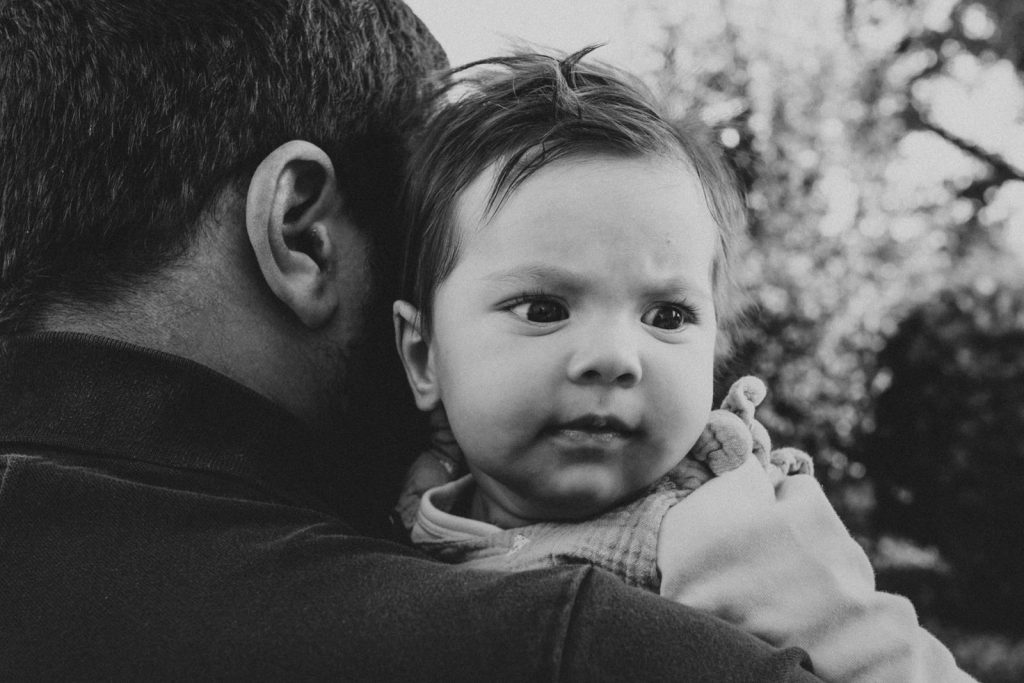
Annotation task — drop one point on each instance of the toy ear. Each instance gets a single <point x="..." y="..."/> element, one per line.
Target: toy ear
<point x="744" y="396"/>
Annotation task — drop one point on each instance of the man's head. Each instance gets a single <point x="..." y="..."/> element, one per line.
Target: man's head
<point x="523" y="113"/>
<point x="211" y="178"/>
<point x="215" y="178"/>
<point x="123" y="121"/>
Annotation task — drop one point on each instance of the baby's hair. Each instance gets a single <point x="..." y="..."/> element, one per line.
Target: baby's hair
<point x="524" y="112"/>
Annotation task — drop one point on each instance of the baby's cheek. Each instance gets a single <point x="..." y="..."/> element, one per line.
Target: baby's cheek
<point x="679" y="418"/>
<point x="486" y="426"/>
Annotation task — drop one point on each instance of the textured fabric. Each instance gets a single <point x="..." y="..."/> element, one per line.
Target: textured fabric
<point x="160" y="522"/>
<point x="781" y="565"/>
<point x="623" y="541"/>
<point x="779" y="562"/>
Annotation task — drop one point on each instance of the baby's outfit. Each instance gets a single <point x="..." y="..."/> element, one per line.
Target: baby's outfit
<point x="853" y="632"/>
<point x="623" y="540"/>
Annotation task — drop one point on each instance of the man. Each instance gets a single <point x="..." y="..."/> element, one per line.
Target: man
<point x="195" y="249"/>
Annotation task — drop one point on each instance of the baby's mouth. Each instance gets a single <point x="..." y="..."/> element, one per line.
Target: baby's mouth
<point x="590" y="428"/>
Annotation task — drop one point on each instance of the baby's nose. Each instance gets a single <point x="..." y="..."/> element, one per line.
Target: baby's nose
<point x="608" y="355"/>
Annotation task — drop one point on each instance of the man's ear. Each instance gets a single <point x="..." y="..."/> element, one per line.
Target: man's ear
<point x="293" y="212"/>
<point x="416" y="356"/>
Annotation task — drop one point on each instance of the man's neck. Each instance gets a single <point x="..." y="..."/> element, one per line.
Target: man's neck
<point x="190" y="315"/>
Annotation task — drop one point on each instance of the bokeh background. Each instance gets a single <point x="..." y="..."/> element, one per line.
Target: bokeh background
<point x="882" y="146"/>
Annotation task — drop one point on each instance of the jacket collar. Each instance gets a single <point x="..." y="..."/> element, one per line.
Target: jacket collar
<point x="88" y="394"/>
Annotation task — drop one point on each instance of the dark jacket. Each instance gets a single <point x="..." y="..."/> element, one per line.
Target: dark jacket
<point x="159" y="521"/>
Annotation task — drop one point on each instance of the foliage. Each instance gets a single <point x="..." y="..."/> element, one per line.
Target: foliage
<point x="947" y="448"/>
<point x="989" y="657"/>
<point x="881" y="145"/>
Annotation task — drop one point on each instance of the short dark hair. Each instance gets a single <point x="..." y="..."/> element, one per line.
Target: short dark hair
<point x="524" y="112"/>
<point x="122" y="120"/>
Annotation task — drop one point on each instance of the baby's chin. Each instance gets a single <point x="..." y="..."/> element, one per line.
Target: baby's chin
<point x="573" y="506"/>
<point x="576" y="503"/>
<point x="567" y="496"/>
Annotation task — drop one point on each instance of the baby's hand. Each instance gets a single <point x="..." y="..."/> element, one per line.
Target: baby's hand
<point x="439" y="464"/>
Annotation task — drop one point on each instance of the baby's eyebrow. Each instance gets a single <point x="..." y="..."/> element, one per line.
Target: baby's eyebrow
<point x="679" y="288"/>
<point x="535" y="274"/>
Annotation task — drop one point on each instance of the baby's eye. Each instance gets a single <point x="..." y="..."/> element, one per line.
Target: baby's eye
<point x="668" y="316"/>
<point x="537" y="310"/>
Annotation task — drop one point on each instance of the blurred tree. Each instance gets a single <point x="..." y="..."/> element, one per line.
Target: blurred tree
<point x="947" y="450"/>
<point x="866" y="194"/>
<point x="978" y="48"/>
<point x="832" y="250"/>
<point x="882" y="147"/>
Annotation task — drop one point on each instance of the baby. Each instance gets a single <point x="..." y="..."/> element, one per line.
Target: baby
<point x="568" y="271"/>
<point x="567" y="278"/>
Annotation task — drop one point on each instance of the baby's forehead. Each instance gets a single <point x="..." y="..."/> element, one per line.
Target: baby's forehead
<point x="488" y="192"/>
<point x="593" y="211"/>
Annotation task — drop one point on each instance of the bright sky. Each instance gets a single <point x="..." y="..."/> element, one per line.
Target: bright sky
<point x="472" y="29"/>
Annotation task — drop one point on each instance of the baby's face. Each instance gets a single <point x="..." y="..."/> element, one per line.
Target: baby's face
<point x="573" y="342"/>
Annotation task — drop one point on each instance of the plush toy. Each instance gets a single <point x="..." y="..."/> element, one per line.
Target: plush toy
<point x="730" y="435"/>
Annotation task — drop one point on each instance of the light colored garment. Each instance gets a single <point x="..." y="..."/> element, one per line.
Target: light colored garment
<point x="624" y="541"/>
<point x="776" y="561"/>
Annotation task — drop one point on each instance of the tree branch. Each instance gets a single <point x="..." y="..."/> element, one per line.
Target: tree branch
<point x="1004" y="170"/>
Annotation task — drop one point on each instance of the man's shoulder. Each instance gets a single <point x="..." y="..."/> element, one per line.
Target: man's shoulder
<point x="168" y="571"/>
<point x="110" y="575"/>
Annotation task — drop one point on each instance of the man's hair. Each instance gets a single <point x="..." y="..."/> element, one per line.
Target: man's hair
<point x="524" y="112"/>
<point x="121" y="121"/>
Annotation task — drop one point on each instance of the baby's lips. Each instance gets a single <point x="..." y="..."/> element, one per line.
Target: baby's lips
<point x="596" y="422"/>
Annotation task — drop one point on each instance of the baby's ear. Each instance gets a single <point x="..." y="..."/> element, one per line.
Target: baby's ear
<point x="416" y="356"/>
